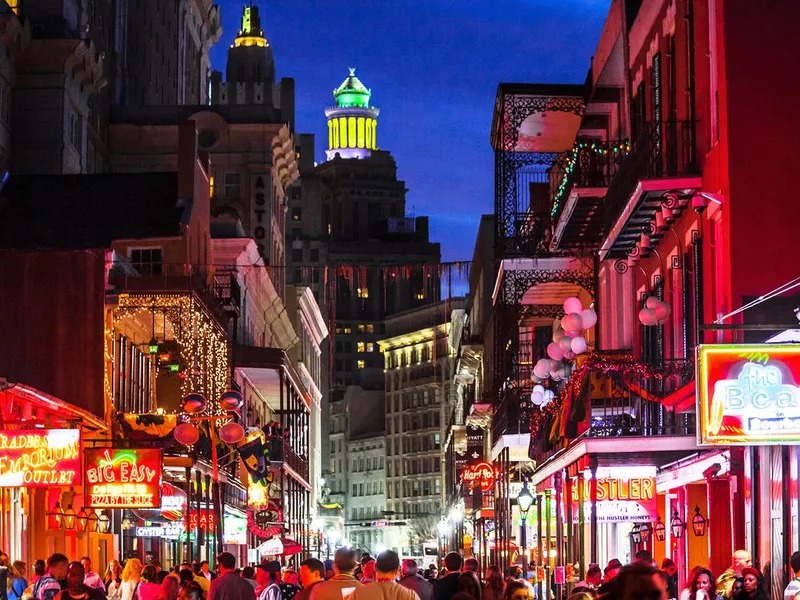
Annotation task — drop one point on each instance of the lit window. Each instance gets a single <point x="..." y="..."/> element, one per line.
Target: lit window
<point x="297" y="213"/>
<point x="360" y="364"/>
<point x="348" y="330"/>
<point x="211" y="186"/>
<point x="420" y="296"/>
<point x="147" y="261"/>
<point x="370" y="347"/>
<point x="363" y="292"/>
<point x="361" y="346"/>
<point x="370" y="328"/>
<point x="361" y="328"/>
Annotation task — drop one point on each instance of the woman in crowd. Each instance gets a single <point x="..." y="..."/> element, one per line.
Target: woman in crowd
<point x="468" y="582"/>
<point x="752" y="588"/>
<point x="149" y="588"/>
<point x="170" y="588"/>
<point x="700" y="585"/>
<point x="131" y="576"/>
<point x="518" y="589"/>
<point x="190" y="590"/>
<point x="494" y="584"/>
<point x="113" y="580"/>
<point x="16" y="580"/>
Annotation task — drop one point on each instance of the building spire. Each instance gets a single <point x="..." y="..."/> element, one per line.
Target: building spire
<point x="251" y="33"/>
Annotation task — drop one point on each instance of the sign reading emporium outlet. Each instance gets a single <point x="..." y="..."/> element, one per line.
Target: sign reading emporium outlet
<point x="748" y="394"/>
<point x="117" y="478"/>
<point x="41" y="458"/>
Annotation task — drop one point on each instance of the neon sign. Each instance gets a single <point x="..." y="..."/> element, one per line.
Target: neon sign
<point x="40" y="458"/>
<point x="123" y="478"/>
<point x="482" y="474"/>
<point x="623" y="494"/>
<point x="747" y="394"/>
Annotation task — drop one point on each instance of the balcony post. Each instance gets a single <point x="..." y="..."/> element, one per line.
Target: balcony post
<point x="593" y="517"/>
<point x="697" y="259"/>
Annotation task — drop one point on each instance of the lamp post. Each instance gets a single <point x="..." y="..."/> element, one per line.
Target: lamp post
<point x="524" y="500"/>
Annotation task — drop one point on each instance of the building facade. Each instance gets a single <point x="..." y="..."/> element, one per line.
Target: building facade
<point x="366" y="499"/>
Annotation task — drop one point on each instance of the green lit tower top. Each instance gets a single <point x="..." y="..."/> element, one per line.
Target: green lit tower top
<point x="352" y="123"/>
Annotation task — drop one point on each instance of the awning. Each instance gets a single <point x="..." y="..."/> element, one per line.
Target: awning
<point x="280" y="547"/>
<point x="23" y="407"/>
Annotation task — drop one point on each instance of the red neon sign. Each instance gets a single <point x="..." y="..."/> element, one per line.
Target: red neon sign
<point x="117" y="478"/>
<point x="482" y="474"/>
<point x="202" y="520"/>
<point x="40" y="458"/>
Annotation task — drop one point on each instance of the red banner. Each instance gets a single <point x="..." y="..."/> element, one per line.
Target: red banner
<point x="42" y="458"/>
<point x="117" y="478"/>
<point x="748" y="394"/>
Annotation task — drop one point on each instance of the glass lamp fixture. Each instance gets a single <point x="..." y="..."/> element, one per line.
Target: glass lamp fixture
<point x="68" y="521"/>
<point x="103" y="523"/>
<point x="152" y="345"/>
<point x="644" y="531"/>
<point x="92" y="522"/>
<point x="677" y="525"/>
<point x="524" y="499"/>
<point x="636" y="535"/>
<point x="81" y="520"/>
<point x="660" y="530"/>
<point x="55" y="517"/>
<point x="698" y="523"/>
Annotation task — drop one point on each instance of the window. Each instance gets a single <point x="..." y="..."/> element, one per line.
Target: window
<point x="355" y="489"/>
<point x="355" y="465"/>
<point x="297" y="213"/>
<point x="76" y="131"/>
<point x="147" y="261"/>
<point x="363" y="293"/>
<point x="233" y="185"/>
<point x="297" y="255"/>
<point x="360" y="364"/>
<point x="361" y="347"/>
<point x="381" y="462"/>
<point x="370" y="347"/>
<point x="380" y="487"/>
<point x="360" y="489"/>
<point x="296" y="233"/>
<point x="314" y="255"/>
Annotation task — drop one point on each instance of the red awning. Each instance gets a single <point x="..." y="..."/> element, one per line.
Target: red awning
<point x="23" y="407"/>
<point x="682" y="399"/>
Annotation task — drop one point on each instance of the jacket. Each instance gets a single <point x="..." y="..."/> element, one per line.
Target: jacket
<point x="446" y="587"/>
<point x="384" y="590"/>
<point x="336" y="588"/>
<point x="420" y="586"/>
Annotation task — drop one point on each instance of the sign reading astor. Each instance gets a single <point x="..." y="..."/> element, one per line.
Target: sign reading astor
<point x="117" y="478"/>
<point x="748" y="394"/>
<point x="40" y="458"/>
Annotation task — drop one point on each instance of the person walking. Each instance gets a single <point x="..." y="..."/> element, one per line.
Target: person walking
<point x="312" y="573"/>
<point x="289" y="585"/>
<point x="48" y="585"/>
<point x="76" y="588"/>
<point x="411" y="579"/>
<point x="205" y="571"/>
<point x="268" y="576"/>
<point x="93" y="580"/>
<point x="113" y="580"/>
<point x="446" y="587"/>
<point x="385" y="587"/>
<point x="468" y="583"/>
<point x="594" y="577"/>
<point x="343" y="582"/>
<point x="753" y="588"/>
<point x="17" y="584"/>
<point x="700" y="585"/>
<point x="792" y="590"/>
<point x="149" y="587"/>
<point x="229" y="586"/>
<point x="493" y="590"/>
<point x="131" y="576"/>
<point x="170" y="587"/>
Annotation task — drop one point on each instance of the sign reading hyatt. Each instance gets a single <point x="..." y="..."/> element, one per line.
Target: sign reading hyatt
<point x="748" y="394"/>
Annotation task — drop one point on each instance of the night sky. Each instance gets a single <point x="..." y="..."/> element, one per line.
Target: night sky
<point x="433" y="67"/>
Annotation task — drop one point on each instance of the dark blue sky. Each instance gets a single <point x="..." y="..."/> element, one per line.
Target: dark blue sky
<point x="433" y="67"/>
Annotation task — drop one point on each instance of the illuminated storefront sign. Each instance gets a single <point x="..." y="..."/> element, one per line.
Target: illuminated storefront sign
<point x="41" y="458"/>
<point x="623" y="494"/>
<point x="748" y="394"/>
<point x="234" y="529"/>
<point x="203" y="519"/>
<point x="168" y="532"/>
<point x="117" y="478"/>
<point x="482" y="474"/>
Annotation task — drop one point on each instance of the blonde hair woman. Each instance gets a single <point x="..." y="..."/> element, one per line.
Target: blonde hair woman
<point x="131" y="575"/>
<point x="113" y="580"/>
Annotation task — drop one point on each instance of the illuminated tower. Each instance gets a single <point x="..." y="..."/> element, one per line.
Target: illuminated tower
<point x="352" y="123"/>
<point x="250" y="58"/>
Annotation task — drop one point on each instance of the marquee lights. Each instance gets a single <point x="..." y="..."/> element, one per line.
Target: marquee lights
<point x="123" y="478"/>
<point x="40" y="458"/>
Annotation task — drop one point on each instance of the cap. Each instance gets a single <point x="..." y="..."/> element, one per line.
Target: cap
<point x="751" y="571"/>
<point x="612" y="564"/>
<point x="272" y="566"/>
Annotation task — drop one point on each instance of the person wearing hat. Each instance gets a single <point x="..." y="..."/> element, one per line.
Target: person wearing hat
<point x="753" y="590"/>
<point x="387" y="568"/>
<point x="229" y="586"/>
<point x="612" y="569"/>
<point x="343" y="583"/>
<point x="739" y="560"/>
<point x="268" y="578"/>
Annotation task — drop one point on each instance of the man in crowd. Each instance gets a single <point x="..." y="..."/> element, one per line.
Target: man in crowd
<point x="446" y="587"/>
<point x="76" y="588"/>
<point x="249" y="575"/>
<point x="229" y="586"/>
<point x="92" y="579"/>
<point x="385" y="587"/>
<point x="48" y="584"/>
<point x="343" y="583"/>
<point x="740" y="560"/>
<point x="290" y="585"/>
<point x="612" y="569"/>
<point x="268" y="578"/>
<point x="206" y="572"/>
<point x="471" y="564"/>
<point x="792" y="590"/>
<point x="312" y="573"/>
<point x="410" y="579"/>
<point x="204" y="583"/>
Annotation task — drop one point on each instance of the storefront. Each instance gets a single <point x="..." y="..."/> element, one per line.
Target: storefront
<point x="43" y="504"/>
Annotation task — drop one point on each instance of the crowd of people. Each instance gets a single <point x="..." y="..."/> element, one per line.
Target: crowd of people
<point x="385" y="577"/>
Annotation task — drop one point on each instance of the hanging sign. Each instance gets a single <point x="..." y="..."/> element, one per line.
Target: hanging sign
<point x="259" y="524"/>
<point x="117" y="478"/>
<point x="624" y="494"/>
<point x="482" y="474"/>
<point x="748" y="394"/>
<point x="40" y="458"/>
<point x="168" y="532"/>
<point x="202" y="520"/>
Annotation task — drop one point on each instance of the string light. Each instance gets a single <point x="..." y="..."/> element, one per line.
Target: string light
<point x="599" y="148"/>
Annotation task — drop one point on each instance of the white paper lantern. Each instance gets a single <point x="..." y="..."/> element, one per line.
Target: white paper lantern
<point x="578" y="345"/>
<point x="589" y="317"/>
<point x="651" y="302"/>
<point x="647" y="316"/>
<point x="554" y="351"/>
<point x="572" y="305"/>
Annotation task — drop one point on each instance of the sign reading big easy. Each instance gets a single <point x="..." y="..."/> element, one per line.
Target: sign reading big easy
<point x="40" y="458"/>
<point x="748" y="394"/>
<point x="117" y="478"/>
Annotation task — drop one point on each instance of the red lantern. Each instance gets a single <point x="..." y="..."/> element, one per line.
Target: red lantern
<point x="55" y="516"/>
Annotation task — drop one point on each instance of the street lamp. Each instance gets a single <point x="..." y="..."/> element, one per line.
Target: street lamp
<point x="698" y="523"/>
<point x="677" y="525"/>
<point x="524" y="501"/>
<point x="636" y="534"/>
<point x="659" y="529"/>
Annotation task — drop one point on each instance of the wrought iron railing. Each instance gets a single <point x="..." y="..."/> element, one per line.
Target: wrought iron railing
<point x="590" y="164"/>
<point x="281" y="451"/>
<point x="661" y="150"/>
<point x="531" y="235"/>
<point x="629" y="403"/>
<point x="511" y="415"/>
